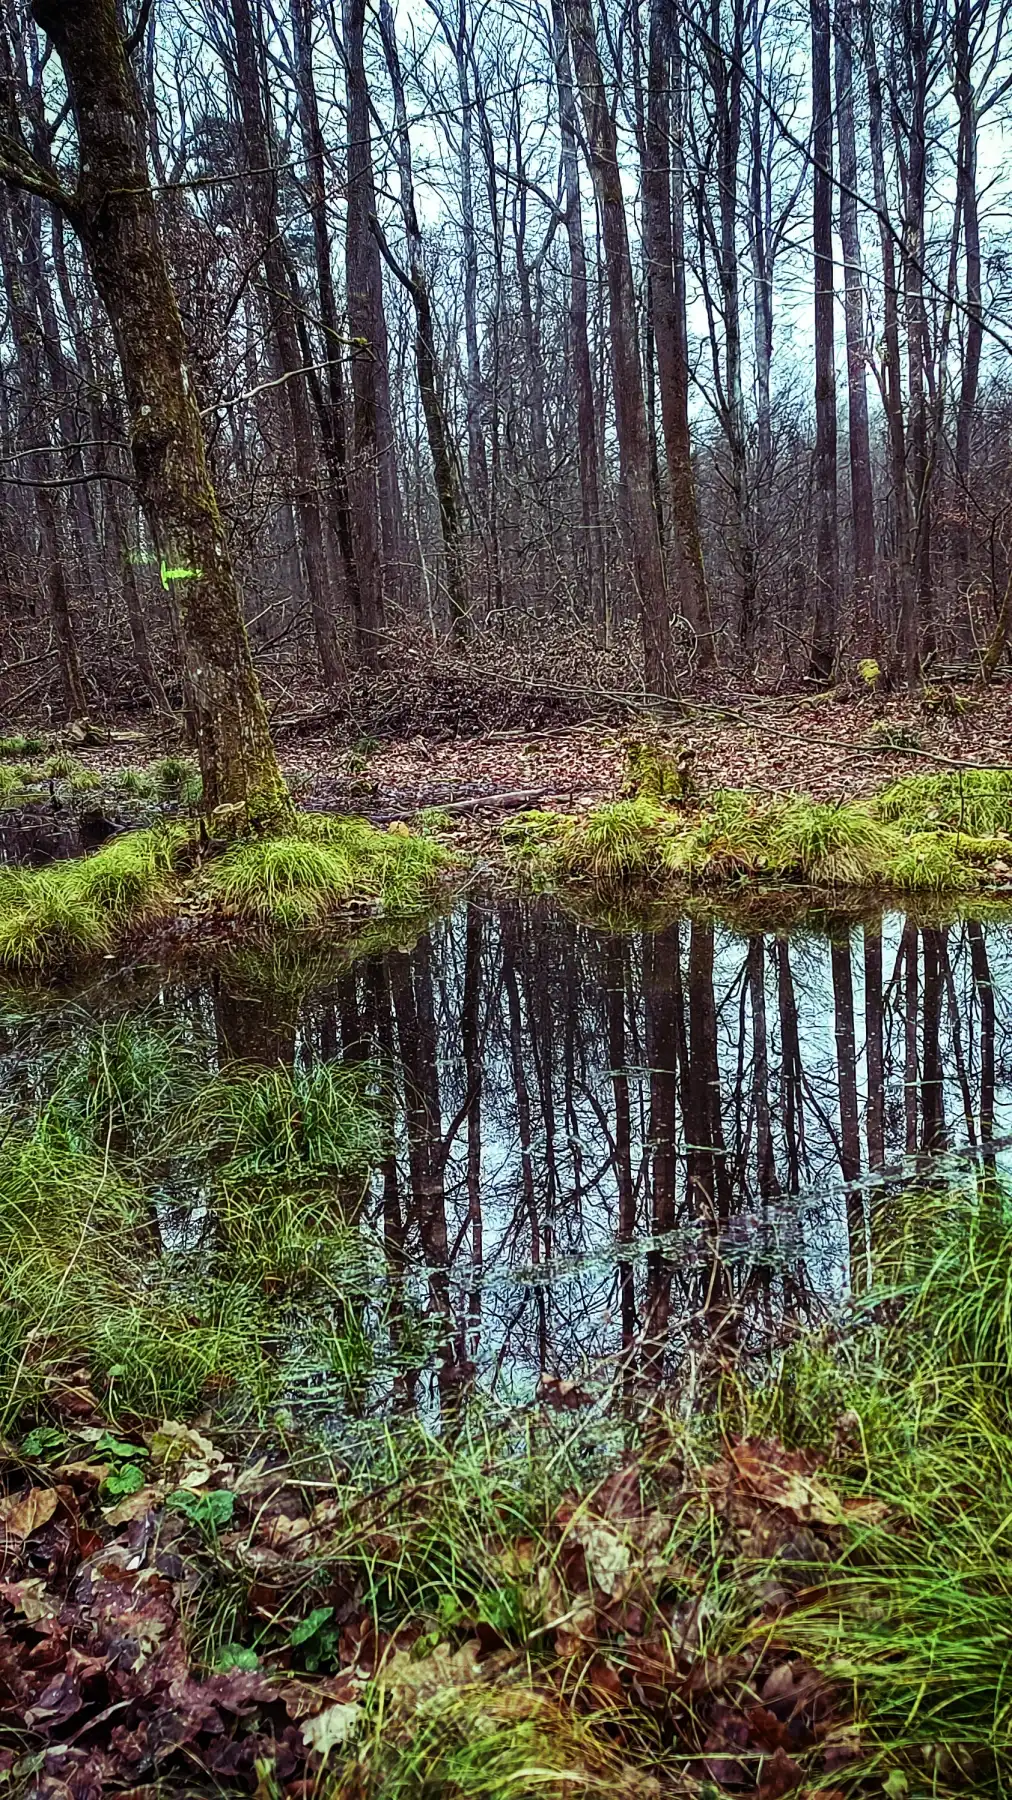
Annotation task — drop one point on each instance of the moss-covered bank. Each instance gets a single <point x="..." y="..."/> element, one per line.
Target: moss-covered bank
<point x="57" y="916"/>
<point x="939" y="834"/>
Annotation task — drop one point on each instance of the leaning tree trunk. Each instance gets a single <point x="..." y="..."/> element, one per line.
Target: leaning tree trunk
<point x="113" y="212"/>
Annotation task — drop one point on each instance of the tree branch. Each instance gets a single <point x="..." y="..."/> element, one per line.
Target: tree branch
<point x="19" y="169"/>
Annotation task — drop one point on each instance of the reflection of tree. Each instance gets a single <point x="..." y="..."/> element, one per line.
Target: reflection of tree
<point x="560" y="1097"/>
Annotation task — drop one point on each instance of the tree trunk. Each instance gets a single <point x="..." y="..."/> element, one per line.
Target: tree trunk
<point x="672" y="370"/>
<point x="444" y="463"/>
<point x="861" y="499"/>
<point x="627" y="374"/>
<point x="967" y="203"/>
<point x="367" y="330"/>
<point x="263" y="193"/>
<point x="579" y="340"/>
<point x="824" y="461"/>
<point x="891" y="383"/>
<point x="113" y="212"/>
<point x="332" y="396"/>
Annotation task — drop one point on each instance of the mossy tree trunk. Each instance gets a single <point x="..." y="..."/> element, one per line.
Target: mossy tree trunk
<point x="113" y="212"/>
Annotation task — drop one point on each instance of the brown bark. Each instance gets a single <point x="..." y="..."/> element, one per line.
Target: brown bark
<point x="579" y="339"/>
<point x="917" y="625"/>
<point x="669" y="327"/>
<point x="262" y="187"/>
<point x="113" y="212"/>
<point x="891" y="380"/>
<point x="331" y="392"/>
<point x="368" y="333"/>
<point x="861" y="498"/>
<point x="824" y="460"/>
<point x="967" y="204"/>
<point x="415" y="279"/>
<point x="640" y="519"/>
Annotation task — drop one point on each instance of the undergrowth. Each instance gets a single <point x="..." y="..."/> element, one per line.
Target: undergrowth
<point x="55" y="916"/>
<point x="924" y="834"/>
<point x="529" y="1603"/>
<point x="162" y="1306"/>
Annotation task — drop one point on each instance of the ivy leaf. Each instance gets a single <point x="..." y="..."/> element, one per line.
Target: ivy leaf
<point x="109" y="1445"/>
<point x="44" y="1442"/>
<point x="127" y="1479"/>
<point x="310" y="1625"/>
<point x="236" y="1656"/>
<point x="212" y="1511"/>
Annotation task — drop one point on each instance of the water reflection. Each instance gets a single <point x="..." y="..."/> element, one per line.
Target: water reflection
<point x="623" y="1160"/>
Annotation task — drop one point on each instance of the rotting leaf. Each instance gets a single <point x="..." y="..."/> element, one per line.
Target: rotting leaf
<point x="335" y="1725"/>
<point x="21" y="1514"/>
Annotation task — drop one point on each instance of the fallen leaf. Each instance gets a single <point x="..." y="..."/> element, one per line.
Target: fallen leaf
<point x="331" y="1727"/>
<point x="21" y="1514"/>
<point x="30" y="1598"/>
<point x="778" y="1478"/>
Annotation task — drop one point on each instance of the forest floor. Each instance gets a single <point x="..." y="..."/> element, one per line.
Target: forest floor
<point x="825" y="746"/>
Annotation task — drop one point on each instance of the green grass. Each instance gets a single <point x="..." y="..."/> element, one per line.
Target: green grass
<point x="290" y="1125"/>
<point x="897" y="841"/>
<point x="975" y="801"/>
<point x="70" y="910"/>
<point x="917" y="1617"/>
<point x="19" y="745"/>
<point x="264" y="1267"/>
<point x="60" y="766"/>
<point x="300" y="882"/>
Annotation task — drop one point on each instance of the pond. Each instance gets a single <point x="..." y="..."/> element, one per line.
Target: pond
<point x="614" y="1162"/>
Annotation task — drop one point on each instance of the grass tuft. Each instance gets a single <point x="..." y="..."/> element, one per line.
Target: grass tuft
<point x="290" y="1126"/>
<point x="68" y="910"/>
<point x="19" y="745"/>
<point x="975" y="801"/>
<point x="294" y="882"/>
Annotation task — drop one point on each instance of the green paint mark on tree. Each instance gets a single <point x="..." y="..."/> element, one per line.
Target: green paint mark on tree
<point x="168" y="575"/>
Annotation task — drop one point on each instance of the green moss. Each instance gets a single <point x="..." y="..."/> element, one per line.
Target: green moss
<point x="904" y="840"/>
<point x="653" y="773"/>
<point x="977" y="801"/>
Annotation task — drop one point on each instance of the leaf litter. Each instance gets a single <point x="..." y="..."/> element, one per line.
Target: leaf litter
<point x="620" y="1632"/>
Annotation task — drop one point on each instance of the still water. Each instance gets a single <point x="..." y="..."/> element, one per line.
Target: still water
<point x="615" y="1158"/>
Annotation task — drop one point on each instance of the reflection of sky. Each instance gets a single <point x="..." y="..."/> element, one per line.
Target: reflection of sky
<point x="561" y="976"/>
<point x="785" y="1258"/>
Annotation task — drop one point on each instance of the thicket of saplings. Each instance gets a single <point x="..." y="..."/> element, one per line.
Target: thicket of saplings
<point x="190" y="1240"/>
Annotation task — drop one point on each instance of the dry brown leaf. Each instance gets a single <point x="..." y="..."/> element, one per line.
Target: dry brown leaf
<point x="31" y="1599"/>
<point x="21" y="1514"/>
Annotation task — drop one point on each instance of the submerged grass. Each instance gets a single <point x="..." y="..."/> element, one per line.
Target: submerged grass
<point x="931" y="834"/>
<point x="166" y="1247"/>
